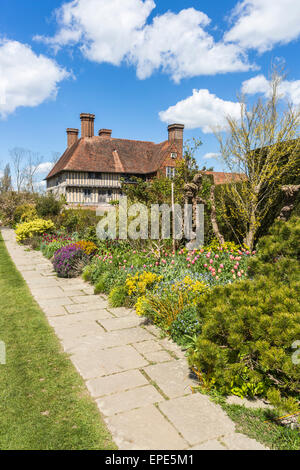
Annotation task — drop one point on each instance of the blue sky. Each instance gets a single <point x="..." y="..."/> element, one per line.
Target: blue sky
<point x="137" y="65"/>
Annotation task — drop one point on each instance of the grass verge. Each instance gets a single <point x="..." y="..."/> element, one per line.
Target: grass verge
<point x="44" y="403"/>
<point x="259" y="425"/>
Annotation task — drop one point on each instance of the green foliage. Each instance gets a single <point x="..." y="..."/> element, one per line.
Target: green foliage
<point x="49" y="249"/>
<point x="117" y="296"/>
<point x="48" y="205"/>
<point x="77" y="220"/>
<point x="185" y="326"/>
<point x="253" y="324"/>
<point x="283" y="406"/>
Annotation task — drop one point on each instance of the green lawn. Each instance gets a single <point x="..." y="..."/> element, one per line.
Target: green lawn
<point x="43" y="401"/>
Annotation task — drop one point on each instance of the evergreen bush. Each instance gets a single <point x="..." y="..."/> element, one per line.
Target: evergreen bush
<point x="248" y="328"/>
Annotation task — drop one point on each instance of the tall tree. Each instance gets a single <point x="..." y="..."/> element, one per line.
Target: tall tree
<point x="25" y="165"/>
<point x="5" y="182"/>
<point x="264" y="147"/>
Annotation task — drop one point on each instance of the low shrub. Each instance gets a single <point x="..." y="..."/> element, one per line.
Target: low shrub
<point x="88" y="247"/>
<point x="69" y="261"/>
<point x="249" y="327"/>
<point x="48" y="205"/>
<point x="186" y="326"/>
<point x="35" y="227"/>
<point x="77" y="220"/>
<point x="25" y="213"/>
<point x="117" y="296"/>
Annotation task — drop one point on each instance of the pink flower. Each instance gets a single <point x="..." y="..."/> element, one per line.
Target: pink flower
<point x="211" y="261"/>
<point x="232" y="270"/>
<point x="131" y="267"/>
<point x="172" y="262"/>
<point x="156" y="264"/>
<point x="213" y="273"/>
<point x="205" y="265"/>
<point x="239" y="274"/>
<point x="219" y="270"/>
<point x="216" y="256"/>
<point x="217" y="277"/>
<point x="221" y="266"/>
<point x="188" y="265"/>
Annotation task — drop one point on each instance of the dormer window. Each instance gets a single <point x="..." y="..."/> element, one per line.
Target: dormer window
<point x="174" y="155"/>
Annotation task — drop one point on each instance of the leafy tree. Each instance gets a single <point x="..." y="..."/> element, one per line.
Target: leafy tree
<point x="264" y="147"/>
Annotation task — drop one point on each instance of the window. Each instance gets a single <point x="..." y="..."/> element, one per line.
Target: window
<point x="87" y="192"/>
<point x="91" y="176"/>
<point x="174" y="155"/>
<point x="170" y="172"/>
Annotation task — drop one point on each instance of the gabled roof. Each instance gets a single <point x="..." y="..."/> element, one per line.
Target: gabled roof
<point x="98" y="154"/>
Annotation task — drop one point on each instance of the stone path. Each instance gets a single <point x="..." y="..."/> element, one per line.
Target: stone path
<point x="140" y="382"/>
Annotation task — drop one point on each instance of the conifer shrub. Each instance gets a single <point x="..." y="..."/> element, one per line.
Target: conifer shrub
<point x="249" y="327"/>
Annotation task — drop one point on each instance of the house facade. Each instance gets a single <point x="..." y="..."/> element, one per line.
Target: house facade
<point x="90" y="170"/>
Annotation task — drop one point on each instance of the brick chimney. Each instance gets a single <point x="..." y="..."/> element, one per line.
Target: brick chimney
<point x="72" y="136"/>
<point x="105" y="133"/>
<point x="175" y="132"/>
<point x="87" y="124"/>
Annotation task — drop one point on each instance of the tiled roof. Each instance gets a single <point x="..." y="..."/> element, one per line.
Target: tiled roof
<point x="98" y="154"/>
<point x="222" y="178"/>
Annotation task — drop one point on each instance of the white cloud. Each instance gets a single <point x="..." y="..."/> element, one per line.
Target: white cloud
<point x="260" y="24"/>
<point x="26" y="79"/>
<point x="287" y="89"/>
<point x="118" y="31"/>
<point x="44" y="167"/>
<point x="211" y="155"/>
<point x="204" y="110"/>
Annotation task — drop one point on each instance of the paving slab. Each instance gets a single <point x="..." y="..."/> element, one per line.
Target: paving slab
<point x="129" y="400"/>
<point x="237" y="441"/>
<point x="108" y="361"/>
<point x="172" y="377"/>
<point x="209" y="445"/>
<point x="144" y="429"/>
<point x="45" y="293"/>
<point x="148" y="346"/>
<point x="122" y="312"/>
<point x="98" y="342"/>
<point x="121" y="323"/>
<point x="158" y="356"/>
<point x="234" y="400"/>
<point x="197" y="418"/>
<point x="116" y="383"/>
<point x="84" y="307"/>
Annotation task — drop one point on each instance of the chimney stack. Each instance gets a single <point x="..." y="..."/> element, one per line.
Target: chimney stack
<point x="72" y="136"/>
<point x="175" y="132"/>
<point x="175" y="136"/>
<point x="87" y="124"/>
<point x="105" y="133"/>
